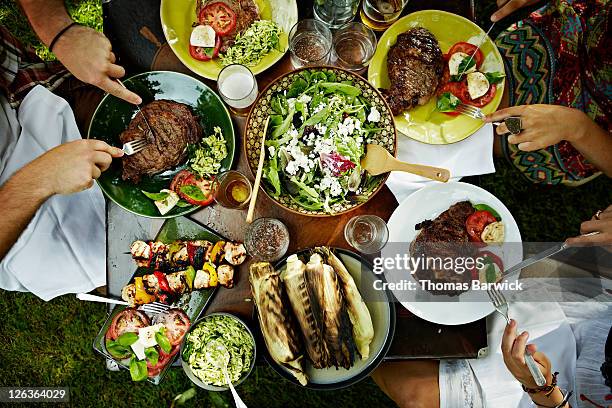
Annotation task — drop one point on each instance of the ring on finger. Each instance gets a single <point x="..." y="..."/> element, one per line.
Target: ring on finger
<point x="598" y="214"/>
<point x="514" y="124"/>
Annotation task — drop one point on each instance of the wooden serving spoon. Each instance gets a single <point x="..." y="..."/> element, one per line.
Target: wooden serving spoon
<point x="378" y="160"/>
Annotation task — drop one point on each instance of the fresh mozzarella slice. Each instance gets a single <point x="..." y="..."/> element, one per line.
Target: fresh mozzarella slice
<point x="168" y="203"/>
<point x="455" y="60"/>
<point x="202" y="36"/>
<point x="139" y="350"/>
<point x="493" y="233"/>
<point x="146" y="335"/>
<point x="478" y="84"/>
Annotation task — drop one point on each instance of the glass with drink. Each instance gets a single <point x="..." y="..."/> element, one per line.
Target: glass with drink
<point x="267" y="239"/>
<point x="380" y="14"/>
<point x="366" y="233"/>
<point x="231" y="189"/>
<point x="238" y="88"/>
<point x="354" y="46"/>
<point x="310" y="43"/>
<point x="335" y="13"/>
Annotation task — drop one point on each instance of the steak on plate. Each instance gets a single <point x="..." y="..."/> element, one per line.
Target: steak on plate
<point x="445" y="237"/>
<point x="174" y="126"/>
<point x="246" y="12"/>
<point x="415" y="65"/>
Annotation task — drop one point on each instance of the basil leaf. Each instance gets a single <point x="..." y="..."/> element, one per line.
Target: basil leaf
<point x="209" y="51"/>
<point x="127" y="339"/>
<point x="490" y="274"/>
<point x="182" y="204"/>
<point x="152" y="355"/>
<point x="484" y="207"/>
<point x="156" y="196"/>
<point x="138" y="369"/>
<point x="193" y="192"/>
<point x="466" y="64"/>
<point x="494" y="77"/>
<point x="163" y="341"/>
<point x="447" y="102"/>
<point x="116" y="350"/>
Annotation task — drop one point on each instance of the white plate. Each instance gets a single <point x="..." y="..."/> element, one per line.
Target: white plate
<point x="427" y="204"/>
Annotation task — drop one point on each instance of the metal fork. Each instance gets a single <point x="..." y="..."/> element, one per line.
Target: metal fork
<point x="501" y="306"/>
<point x="152" y="308"/>
<point x="134" y="146"/>
<point x="471" y="111"/>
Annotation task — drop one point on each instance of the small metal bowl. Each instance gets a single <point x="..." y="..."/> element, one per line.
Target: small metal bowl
<point x="187" y="368"/>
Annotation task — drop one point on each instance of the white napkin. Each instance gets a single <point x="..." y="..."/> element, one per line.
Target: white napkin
<point x="469" y="157"/>
<point x="549" y="330"/>
<point x="63" y="249"/>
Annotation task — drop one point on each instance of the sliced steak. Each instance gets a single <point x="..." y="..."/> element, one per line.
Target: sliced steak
<point x="174" y="126"/>
<point x="415" y="65"/>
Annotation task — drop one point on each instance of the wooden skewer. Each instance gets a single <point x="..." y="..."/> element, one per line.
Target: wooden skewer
<point x="262" y="156"/>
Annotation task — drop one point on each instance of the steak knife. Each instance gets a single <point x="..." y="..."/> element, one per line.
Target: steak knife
<point x="139" y="110"/>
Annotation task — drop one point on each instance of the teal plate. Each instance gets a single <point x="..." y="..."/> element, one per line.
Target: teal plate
<point x="113" y="115"/>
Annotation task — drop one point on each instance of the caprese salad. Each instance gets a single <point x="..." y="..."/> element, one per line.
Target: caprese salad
<point x="485" y="227"/>
<point x="464" y="81"/>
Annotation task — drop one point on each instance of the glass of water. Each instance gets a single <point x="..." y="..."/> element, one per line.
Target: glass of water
<point x="335" y="13"/>
<point x="238" y="88"/>
<point x="380" y="14"/>
<point x="354" y="46"/>
<point x="310" y="43"/>
<point x="366" y="233"/>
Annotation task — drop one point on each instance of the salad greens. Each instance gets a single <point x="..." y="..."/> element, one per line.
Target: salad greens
<point x="447" y="102"/>
<point x="260" y="38"/>
<point x="216" y="342"/>
<point x="317" y="134"/>
<point x="206" y="156"/>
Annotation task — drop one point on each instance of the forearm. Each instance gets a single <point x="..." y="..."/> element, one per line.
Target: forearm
<point x="47" y="17"/>
<point x="20" y="197"/>
<point x="595" y="144"/>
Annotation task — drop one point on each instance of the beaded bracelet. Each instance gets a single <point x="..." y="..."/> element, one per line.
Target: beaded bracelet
<point x="547" y="389"/>
<point x="58" y="35"/>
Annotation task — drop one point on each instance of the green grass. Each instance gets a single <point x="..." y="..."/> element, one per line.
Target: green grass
<point x="50" y="344"/>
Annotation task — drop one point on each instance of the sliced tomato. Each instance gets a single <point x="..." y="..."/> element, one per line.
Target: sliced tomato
<point x="468" y="49"/>
<point x="486" y="98"/>
<point x="128" y="320"/>
<point x="163" y="360"/>
<point x="219" y="16"/>
<point x="176" y="323"/>
<point x="203" y="191"/>
<point x="477" y="222"/>
<point x="204" y="53"/>
<point x="494" y="258"/>
<point x="179" y="178"/>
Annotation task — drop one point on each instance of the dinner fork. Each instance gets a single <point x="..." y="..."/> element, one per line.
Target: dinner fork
<point x="153" y="308"/>
<point x="134" y="146"/>
<point x="471" y="111"/>
<point x="501" y="306"/>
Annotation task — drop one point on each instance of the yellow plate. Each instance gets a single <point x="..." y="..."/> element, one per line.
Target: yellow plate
<point x="424" y="123"/>
<point x="177" y="17"/>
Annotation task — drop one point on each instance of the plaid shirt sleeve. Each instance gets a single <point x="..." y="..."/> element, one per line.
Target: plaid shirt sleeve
<point x="21" y="69"/>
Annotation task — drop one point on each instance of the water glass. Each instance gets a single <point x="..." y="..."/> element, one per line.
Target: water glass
<point x="380" y="14"/>
<point x="335" y="13"/>
<point x="310" y="43"/>
<point x="267" y="239"/>
<point x="354" y="46"/>
<point x="232" y="189"/>
<point x="237" y="87"/>
<point x="366" y="233"/>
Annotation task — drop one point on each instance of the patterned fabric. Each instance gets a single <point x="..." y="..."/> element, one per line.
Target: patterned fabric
<point x="559" y="55"/>
<point x="21" y="70"/>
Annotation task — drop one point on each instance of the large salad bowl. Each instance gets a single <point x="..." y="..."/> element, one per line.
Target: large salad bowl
<point x="365" y="103"/>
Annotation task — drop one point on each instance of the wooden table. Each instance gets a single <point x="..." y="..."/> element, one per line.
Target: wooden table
<point x="140" y="45"/>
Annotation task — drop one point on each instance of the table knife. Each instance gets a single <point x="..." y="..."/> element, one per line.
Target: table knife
<point x="139" y="110"/>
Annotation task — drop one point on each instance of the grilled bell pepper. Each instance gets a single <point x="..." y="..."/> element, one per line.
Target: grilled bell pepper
<point x="212" y="271"/>
<point x="162" y="281"/>
<point x="190" y="274"/>
<point x="142" y="297"/>
<point x="217" y="252"/>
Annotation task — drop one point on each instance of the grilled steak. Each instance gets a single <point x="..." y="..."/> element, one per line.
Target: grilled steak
<point x="174" y="126"/>
<point x="444" y="237"/>
<point x="415" y="65"/>
<point x="246" y="12"/>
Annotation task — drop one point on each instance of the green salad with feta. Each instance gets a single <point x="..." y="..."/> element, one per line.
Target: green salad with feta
<point x="219" y="341"/>
<point x="318" y="131"/>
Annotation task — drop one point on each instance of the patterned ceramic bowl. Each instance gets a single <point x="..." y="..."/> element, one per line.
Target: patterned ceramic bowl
<point x="261" y="110"/>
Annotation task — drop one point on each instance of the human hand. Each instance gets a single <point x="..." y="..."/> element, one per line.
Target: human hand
<point x="513" y="349"/>
<point x="87" y="54"/>
<point x="543" y="125"/>
<point x="602" y="223"/>
<point x="508" y="7"/>
<point x="73" y="167"/>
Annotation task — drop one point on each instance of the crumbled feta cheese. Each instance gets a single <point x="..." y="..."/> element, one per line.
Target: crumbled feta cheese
<point x="304" y="98"/>
<point x="319" y="108"/>
<point x="324" y="146"/>
<point x="346" y="128"/>
<point x="291" y="103"/>
<point x="271" y="150"/>
<point x="374" y="115"/>
<point x="321" y="128"/>
<point x="331" y="183"/>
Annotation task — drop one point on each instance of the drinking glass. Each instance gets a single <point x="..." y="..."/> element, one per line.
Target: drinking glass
<point x="310" y="43"/>
<point x="238" y="88"/>
<point x="366" y="233"/>
<point x="335" y="13"/>
<point x="267" y="239"/>
<point x="354" y="46"/>
<point x="380" y="14"/>
<point x="231" y="189"/>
